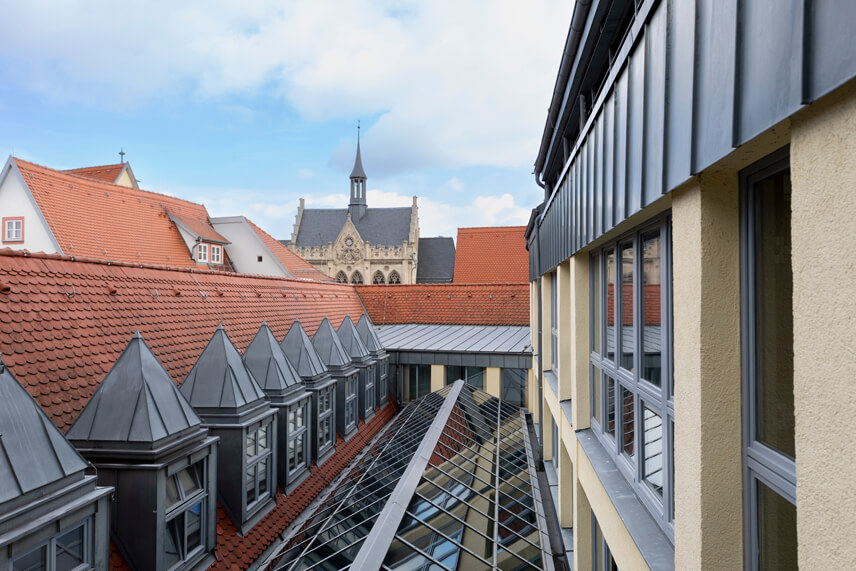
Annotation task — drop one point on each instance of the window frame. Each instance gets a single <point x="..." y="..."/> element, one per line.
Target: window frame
<point x="13" y="240"/>
<point x="325" y="423"/>
<point x="761" y="463"/>
<point x="253" y="461"/>
<point x="301" y="432"/>
<point x="216" y="254"/>
<point x="351" y="402"/>
<point x="202" y="252"/>
<point x="645" y="393"/>
<point x="554" y="321"/>
<point x="369" y="396"/>
<point x="50" y="545"/>
<point x="183" y="505"/>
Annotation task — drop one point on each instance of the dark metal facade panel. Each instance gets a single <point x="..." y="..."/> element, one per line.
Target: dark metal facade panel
<point x="655" y="106"/>
<point x="829" y="45"/>
<point x="635" y="125"/>
<point x="680" y="53"/>
<point x="328" y="345"/>
<point x="302" y="354"/>
<point x="269" y="365"/>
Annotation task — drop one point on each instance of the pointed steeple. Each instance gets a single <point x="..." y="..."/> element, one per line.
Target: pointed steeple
<point x="357" y="207"/>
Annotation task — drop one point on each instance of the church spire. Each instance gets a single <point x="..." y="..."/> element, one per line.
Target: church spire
<point x="357" y="207"/>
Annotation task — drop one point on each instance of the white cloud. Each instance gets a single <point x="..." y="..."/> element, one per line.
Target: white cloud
<point x="305" y="173"/>
<point x="451" y="83"/>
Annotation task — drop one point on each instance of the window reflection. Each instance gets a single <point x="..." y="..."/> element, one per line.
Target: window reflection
<point x="627" y="337"/>
<point x="651" y="300"/>
<point x="610" y="305"/>
<point x="652" y="441"/>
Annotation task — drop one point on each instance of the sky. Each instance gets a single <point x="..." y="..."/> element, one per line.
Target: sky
<point x="248" y="106"/>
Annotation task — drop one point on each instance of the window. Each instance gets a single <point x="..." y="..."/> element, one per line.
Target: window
<point x="383" y="384"/>
<point x="216" y="254"/>
<point x="418" y="381"/>
<point x="350" y="403"/>
<point x="394" y="278"/>
<point x="326" y="427"/>
<point x="297" y="452"/>
<point x="70" y="549"/>
<point x="769" y="457"/>
<point x="13" y="229"/>
<point x="554" y="321"/>
<point x="356" y="278"/>
<point x="259" y="464"/>
<point x="632" y="405"/>
<point x="370" y="397"/>
<point x="378" y="278"/>
<point x="474" y="376"/>
<point x="186" y="513"/>
<point x="202" y="252"/>
<point x="513" y="386"/>
<point x="340" y="277"/>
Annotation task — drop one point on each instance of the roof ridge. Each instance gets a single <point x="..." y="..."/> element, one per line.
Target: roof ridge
<point x="92" y="167"/>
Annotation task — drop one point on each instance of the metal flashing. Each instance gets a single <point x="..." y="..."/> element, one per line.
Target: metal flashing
<point x="352" y="342"/>
<point x="301" y="353"/>
<point x="329" y="347"/>
<point x="269" y="366"/>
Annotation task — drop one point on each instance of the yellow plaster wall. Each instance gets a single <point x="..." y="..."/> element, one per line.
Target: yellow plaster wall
<point x="546" y="356"/>
<point x="582" y="526"/>
<point x="547" y="430"/>
<point x="534" y="403"/>
<point x="124" y="179"/>
<point x="492" y="382"/>
<point x="823" y="226"/>
<point x="565" y="487"/>
<point x="708" y="454"/>
<point x="438" y="377"/>
<point x="580" y="341"/>
<point x="564" y="374"/>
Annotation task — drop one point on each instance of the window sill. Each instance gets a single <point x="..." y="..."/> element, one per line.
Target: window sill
<point x="13" y="241"/>
<point x="652" y="542"/>
<point x="552" y="382"/>
<point x="323" y="456"/>
<point x="567" y="410"/>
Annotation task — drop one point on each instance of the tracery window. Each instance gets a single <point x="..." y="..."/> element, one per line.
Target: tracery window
<point x="341" y="278"/>
<point x="394" y="278"/>
<point x="378" y="278"/>
<point x="356" y="278"/>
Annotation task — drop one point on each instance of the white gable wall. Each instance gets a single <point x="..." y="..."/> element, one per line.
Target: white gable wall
<point x="16" y="200"/>
<point x="246" y="247"/>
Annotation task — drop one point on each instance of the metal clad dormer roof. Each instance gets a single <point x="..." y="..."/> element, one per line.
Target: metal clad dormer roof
<point x="369" y="335"/>
<point x="269" y="365"/>
<point x="351" y="340"/>
<point x="326" y="341"/>
<point x="137" y="402"/>
<point x="219" y="379"/>
<point x="301" y="353"/>
<point x="33" y="452"/>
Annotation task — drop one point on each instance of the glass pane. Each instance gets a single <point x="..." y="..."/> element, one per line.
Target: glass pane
<point x="189" y="480"/>
<point x="251" y="485"/>
<point x="596" y="401"/>
<point x="263" y="476"/>
<point x="290" y="454"/>
<point x="596" y="294"/>
<point x="627" y="337"/>
<point x="411" y="391"/>
<point x="35" y="560"/>
<point x="251" y="444"/>
<point x="194" y="527"/>
<point x="610" y="305"/>
<point x="263" y="438"/>
<point x="777" y="531"/>
<point x="292" y="419"/>
<point x="513" y="386"/>
<point x="627" y="428"/>
<point x="652" y="470"/>
<point x="300" y="449"/>
<point x="774" y="314"/>
<point x="610" y="405"/>
<point x="651" y="297"/>
<point x="69" y="549"/>
<point x="171" y="492"/>
<point x="453" y="373"/>
<point x="424" y="376"/>
<point x="173" y="539"/>
<point x="475" y="377"/>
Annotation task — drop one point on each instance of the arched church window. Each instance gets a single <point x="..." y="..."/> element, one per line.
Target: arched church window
<point x="394" y="278"/>
<point x="378" y="278"/>
<point x="341" y="278"/>
<point x="356" y="278"/>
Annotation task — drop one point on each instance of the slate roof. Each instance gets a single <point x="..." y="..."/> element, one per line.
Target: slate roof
<point x="105" y="221"/>
<point x="351" y="340"/>
<point x="329" y="347"/>
<point x="357" y="171"/>
<point x="64" y="323"/>
<point x="268" y="364"/>
<point x="104" y="173"/>
<point x="301" y="353"/>
<point x="33" y="452"/>
<point x="219" y="379"/>
<point x="491" y="255"/>
<point x="378" y="226"/>
<point x="461" y="304"/>
<point x="436" y="262"/>
<point x="296" y="266"/>
<point x="369" y="335"/>
<point x="136" y="402"/>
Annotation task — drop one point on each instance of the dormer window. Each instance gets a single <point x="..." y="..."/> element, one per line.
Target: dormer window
<point x="13" y="229"/>
<point x="186" y="512"/>
<point x="298" y="437"/>
<point x="351" y="403"/>
<point x="216" y="254"/>
<point x="326" y="426"/>
<point x="259" y="464"/>
<point x="69" y="549"/>
<point x="202" y="252"/>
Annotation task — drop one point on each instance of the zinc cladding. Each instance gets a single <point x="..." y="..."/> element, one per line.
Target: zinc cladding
<point x="378" y="226"/>
<point x="454" y="464"/>
<point x="329" y="347"/>
<point x="351" y="341"/>
<point x="460" y="304"/>
<point x="369" y="336"/>
<point x="302" y="354"/>
<point x="456" y="338"/>
<point x="64" y="323"/>
<point x="267" y="363"/>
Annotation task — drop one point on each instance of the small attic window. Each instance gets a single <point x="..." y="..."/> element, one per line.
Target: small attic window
<point x="259" y="259"/>
<point x="13" y="229"/>
<point x="202" y="252"/>
<point x="216" y="254"/>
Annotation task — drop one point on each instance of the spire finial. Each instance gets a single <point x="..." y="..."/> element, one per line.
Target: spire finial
<point x="122" y="155"/>
<point x="358" y="131"/>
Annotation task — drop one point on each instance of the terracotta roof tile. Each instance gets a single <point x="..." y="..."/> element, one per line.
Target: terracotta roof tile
<point x="199" y="225"/>
<point x="104" y="173"/>
<point x="491" y="255"/>
<point x="297" y="266"/>
<point x="453" y="304"/>
<point x="82" y="328"/>
<point x="110" y="222"/>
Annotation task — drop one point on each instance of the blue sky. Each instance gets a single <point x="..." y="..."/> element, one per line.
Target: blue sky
<point x="247" y="107"/>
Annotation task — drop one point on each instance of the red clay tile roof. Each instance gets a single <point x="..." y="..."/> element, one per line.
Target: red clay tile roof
<point x="200" y="227"/>
<point x="452" y="304"/>
<point x="104" y="173"/>
<point x="63" y="323"/>
<point x="491" y="255"/>
<point x="297" y="266"/>
<point x="110" y="222"/>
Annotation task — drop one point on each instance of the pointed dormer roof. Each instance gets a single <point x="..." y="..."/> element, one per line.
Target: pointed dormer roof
<point x="358" y="171"/>
<point x="351" y="341"/>
<point x="301" y="353"/>
<point x="33" y="452"/>
<point x="369" y="335"/>
<point x="269" y="365"/>
<point x="137" y="402"/>
<point x="326" y="341"/>
<point x="219" y="380"/>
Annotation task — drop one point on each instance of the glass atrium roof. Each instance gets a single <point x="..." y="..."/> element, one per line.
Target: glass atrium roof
<point x="449" y="484"/>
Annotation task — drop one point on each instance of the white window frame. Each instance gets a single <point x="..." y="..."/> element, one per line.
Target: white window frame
<point x="51" y="547"/>
<point x="216" y="254"/>
<point x="17" y="233"/>
<point x="202" y="252"/>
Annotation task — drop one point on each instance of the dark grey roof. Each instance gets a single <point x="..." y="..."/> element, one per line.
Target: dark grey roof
<point x="358" y="171"/>
<point x="268" y="364"/>
<point x="436" y="263"/>
<point x="301" y="353"/>
<point x="456" y="338"/>
<point x="219" y="379"/>
<point x="33" y="452"/>
<point x="369" y="335"/>
<point x="326" y="341"/>
<point x="351" y="341"/>
<point x="137" y="402"/>
<point x="379" y="226"/>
